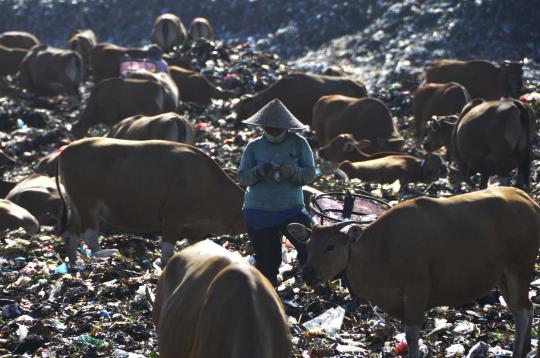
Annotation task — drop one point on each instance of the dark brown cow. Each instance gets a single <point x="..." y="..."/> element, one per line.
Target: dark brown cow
<point x="206" y="289"/>
<point x="195" y="88"/>
<point x="168" y="32"/>
<point x="481" y="78"/>
<point x="18" y="39"/>
<point x="165" y="126"/>
<point x="438" y="99"/>
<point x="405" y="168"/>
<point x="117" y="98"/>
<point x="10" y="60"/>
<point x="12" y="217"/>
<point x="200" y="28"/>
<point x="345" y="147"/>
<point x="50" y="71"/>
<point x="145" y="186"/>
<point x="299" y="92"/>
<point x="83" y="42"/>
<point x="364" y="118"/>
<point x="489" y="138"/>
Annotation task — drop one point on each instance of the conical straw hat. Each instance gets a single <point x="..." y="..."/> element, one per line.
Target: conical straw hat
<point x="275" y="115"/>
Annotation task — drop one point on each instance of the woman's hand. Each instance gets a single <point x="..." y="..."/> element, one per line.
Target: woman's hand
<point x="286" y="170"/>
<point x="264" y="168"/>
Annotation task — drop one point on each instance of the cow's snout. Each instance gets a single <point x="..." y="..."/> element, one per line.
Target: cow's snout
<point x="308" y="274"/>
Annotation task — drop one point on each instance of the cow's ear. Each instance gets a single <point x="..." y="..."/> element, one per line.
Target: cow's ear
<point x="299" y="232"/>
<point x="347" y="147"/>
<point x="354" y="233"/>
<point x="363" y="143"/>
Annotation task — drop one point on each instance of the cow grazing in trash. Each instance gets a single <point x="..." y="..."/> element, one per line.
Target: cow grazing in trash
<point x="83" y="42"/>
<point x="439" y="99"/>
<point x="12" y="217"/>
<point x="482" y="79"/>
<point x="489" y="138"/>
<point x="165" y="126"/>
<point x="168" y="32"/>
<point x="145" y="187"/>
<point x="10" y="59"/>
<point x="299" y="92"/>
<point x="200" y="28"/>
<point x="344" y="147"/>
<point x="105" y="59"/>
<point x="115" y="99"/>
<point x="206" y="289"/>
<point x="426" y="252"/>
<point x="364" y="118"/>
<point x="405" y="168"/>
<point x="49" y="71"/>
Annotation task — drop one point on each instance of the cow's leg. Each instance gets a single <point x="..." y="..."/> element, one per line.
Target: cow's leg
<point x="414" y="303"/>
<point x="515" y="290"/>
<point x="167" y="250"/>
<point x="71" y="242"/>
<point x="90" y="236"/>
<point x="412" y="335"/>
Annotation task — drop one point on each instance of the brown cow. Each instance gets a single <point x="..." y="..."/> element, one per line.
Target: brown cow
<point x="364" y="118"/>
<point x="490" y="138"/>
<point x="481" y="78"/>
<point x="18" y="39"/>
<point x="105" y="60"/>
<point x="39" y="195"/>
<point x="165" y="126"/>
<point x="299" y="92"/>
<point x="427" y="252"/>
<point x="200" y="28"/>
<point x="145" y="186"/>
<point x="10" y="60"/>
<point x="345" y="147"/>
<point x="117" y="98"/>
<point x="168" y="32"/>
<point x="206" y="289"/>
<point x="12" y="217"/>
<point x="405" y="168"/>
<point x="195" y="88"/>
<point x="50" y="71"/>
<point x="436" y="99"/>
<point x="83" y="42"/>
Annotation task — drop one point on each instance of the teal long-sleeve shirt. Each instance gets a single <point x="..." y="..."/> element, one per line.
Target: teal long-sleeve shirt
<point x="265" y="193"/>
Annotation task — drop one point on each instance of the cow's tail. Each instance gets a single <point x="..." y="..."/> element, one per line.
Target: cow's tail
<point x="526" y="158"/>
<point x="64" y="215"/>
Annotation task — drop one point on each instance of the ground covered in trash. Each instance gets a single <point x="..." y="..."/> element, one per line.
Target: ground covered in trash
<point x="104" y="307"/>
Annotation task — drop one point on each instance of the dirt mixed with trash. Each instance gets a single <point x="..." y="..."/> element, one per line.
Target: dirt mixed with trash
<point x="103" y="308"/>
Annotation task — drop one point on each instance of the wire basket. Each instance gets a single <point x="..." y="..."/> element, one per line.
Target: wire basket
<point x="335" y="207"/>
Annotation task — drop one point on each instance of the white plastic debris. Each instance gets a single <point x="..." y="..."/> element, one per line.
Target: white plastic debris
<point x="102" y="254"/>
<point x="22" y="332"/>
<point x="499" y="352"/>
<point x="455" y="350"/>
<point x="464" y="327"/>
<point x="119" y="353"/>
<point x="346" y="348"/>
<point x="479" y="350"/>
<point x="329" y="321"/>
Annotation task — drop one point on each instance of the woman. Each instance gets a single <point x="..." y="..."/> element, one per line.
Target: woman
<point x="274" y="167"/>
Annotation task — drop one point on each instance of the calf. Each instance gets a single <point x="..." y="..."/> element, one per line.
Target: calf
<point x="426" y="252"/>
<point x="200" y="29"/>
<point x="10" y="59"/>
<point x="481" y="78"/>
<point x="299" y="92"/>
<point x="364" y="118"/>
<point x="117" y="98"/>
<point x="436" y="99"/>
<point x="12" y="217"/>
<point x="165" y="126"/>
<point x="105" y="60"/>
<point x="489" y="138"/>
<point x="39" y="195"/>
<point x="206" y="289"/>
<point x="195" y="88"/>
<point x="83" y="42"/>
<point x="168" y="32"/>
<point x="18" y="39"/>
<point x="144" y="187"/>
<point x="344" y="147"/>
<point x="405" y="168"/>
<point x="50" y="71"/>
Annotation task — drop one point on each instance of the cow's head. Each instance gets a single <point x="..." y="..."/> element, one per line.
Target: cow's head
<point x="514" y="77"/>
<point x="328" y="249"/>
<point x="438" y="132"/>
<point x="432" y="167"/>
<point x="343" y="147"/>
